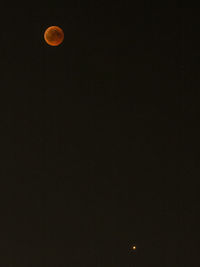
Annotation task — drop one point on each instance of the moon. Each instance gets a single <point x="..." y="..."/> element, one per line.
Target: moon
<point x="54" y="35"/>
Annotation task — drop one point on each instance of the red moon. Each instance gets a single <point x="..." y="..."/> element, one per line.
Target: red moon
<point x="54" y="36"/>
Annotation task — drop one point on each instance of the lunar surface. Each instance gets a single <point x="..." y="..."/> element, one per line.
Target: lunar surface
<point x="54" y="36"/>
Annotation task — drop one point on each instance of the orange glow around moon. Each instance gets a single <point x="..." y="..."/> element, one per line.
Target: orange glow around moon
<point x="134" y="247"/>
<point x="54" y="36"/>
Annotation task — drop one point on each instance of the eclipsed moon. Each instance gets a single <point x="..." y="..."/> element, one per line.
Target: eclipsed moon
<point x="54" y="35"/>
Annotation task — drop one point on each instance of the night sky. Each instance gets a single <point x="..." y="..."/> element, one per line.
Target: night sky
<point x="99" y="137"/>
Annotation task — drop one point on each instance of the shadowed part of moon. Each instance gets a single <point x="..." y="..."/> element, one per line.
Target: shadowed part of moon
<point x="54" y="35"/>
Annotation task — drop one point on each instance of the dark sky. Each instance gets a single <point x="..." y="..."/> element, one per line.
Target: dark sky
<point x="99" y="146"/>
